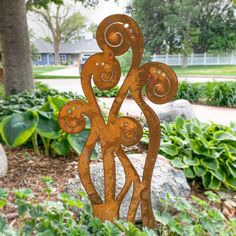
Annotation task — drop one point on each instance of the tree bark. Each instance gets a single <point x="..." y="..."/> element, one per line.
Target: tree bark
<point x="14" y="39"/>
<point x="56" y="44"/>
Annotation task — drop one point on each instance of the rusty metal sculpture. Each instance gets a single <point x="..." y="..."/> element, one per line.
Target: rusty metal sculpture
<point x="115" y="35"/>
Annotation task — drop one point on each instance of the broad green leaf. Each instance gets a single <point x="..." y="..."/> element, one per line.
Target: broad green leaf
<point x="222" y="135"/>
<point x="169" y="149"/>
<point x="179" y="123"/>
<point x="206" y="180"/>
<point x="198" y="148"/>
<point x="46" y="107"/>
<point x="199" y="170"/>
<point x="214" y="183"/>
<point x="196" y="130"/>
<point x="191" y="161"/>
<point x="2" y="223"/>
<point x="48" y="128"/>
<point x="48" y="115"/>
<point x="210" y="163"/>
<point x="164" y="217"/>
<point x="219" y="174"/>
<point x="3" y="203"/>
<point x="57" y="102"/>
<point x="61" y="147"/>
<point x="231" y="183"/>
<point x="177" y="162"/>
<point x="189" y="173"/>
<point x="228" y="153"/>
<point x="3" y="193"/>
<point x="77" y="141"/>
<point x="232" y="168"/>
<point x="18" y="128"/>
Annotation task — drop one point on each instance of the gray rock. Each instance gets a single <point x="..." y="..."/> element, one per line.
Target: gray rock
<point x="179" y="108"/>
<point x="166" y="179"/>
<point x="3" y="162"/>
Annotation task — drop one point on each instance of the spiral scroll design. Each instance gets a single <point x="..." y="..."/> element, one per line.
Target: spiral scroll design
<point x="115" y="35"/>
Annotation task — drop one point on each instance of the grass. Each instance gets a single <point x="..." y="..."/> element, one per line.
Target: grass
<point x="39" y="73"/>
<point x="55" y="77"/>
<point x="225" y="70"/>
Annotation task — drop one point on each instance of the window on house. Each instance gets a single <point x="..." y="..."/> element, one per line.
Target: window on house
<point x="63" y="58"/>
<point x="38" y="57"/>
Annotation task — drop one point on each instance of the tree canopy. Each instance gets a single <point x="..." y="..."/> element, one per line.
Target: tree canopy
<point x="186" y="25"/>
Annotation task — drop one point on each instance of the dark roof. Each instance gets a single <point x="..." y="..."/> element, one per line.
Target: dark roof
<point x="84" y="45"/>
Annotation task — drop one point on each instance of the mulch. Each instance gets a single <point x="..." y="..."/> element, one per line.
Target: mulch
<point x="25" y="170"/>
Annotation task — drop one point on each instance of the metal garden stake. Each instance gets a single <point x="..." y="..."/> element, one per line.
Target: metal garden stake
<point x="115" y="35"/>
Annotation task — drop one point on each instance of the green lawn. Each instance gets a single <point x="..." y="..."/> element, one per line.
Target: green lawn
<point x="206" y="70"/>
<point x="226" y="70"/>
<point x="40" y="70"/>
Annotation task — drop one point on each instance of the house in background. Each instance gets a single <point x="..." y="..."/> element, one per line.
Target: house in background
<point x="74" y="53"/>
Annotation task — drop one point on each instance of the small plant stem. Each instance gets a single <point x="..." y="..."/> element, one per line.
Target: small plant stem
<point x="46" y="143"/>
<point x="35" y="143"/>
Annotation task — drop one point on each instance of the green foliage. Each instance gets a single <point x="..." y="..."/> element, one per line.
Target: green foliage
<point x="71" y="27"/>
<point x="106" y="93"/>
<point x="188" y="91"/>
<point x="77" y="141"/>
<point x="56" y="217"/>
<point x="39" y="124"/>
<point x="204" y="151"/>
<point x="220" y="94"/>
<point x="30" y="99"/>
<point x="173" y="26"/>
<point x="191" y="217"/>
<point x="17" y="129"/>
<point x="211" y="93"/>
<point x="125" y="60"/>
<point x="195" y="217"/>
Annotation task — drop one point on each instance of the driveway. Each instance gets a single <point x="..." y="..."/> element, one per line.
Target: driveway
<point x="218" y="115"/>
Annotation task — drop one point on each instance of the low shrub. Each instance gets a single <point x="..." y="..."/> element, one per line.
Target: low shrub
<point x="193" y="217"/>
<point x="189" y="92"/>
<point x="56" y="218"/>
<point x="220" y="94"/>
<point x="106" y="93"/>
<point x="211" y="93"/>
<point x="204" y="151"/>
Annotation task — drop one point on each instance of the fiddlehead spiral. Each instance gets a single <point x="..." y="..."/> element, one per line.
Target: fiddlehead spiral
<point x="71" y="118"/>
<point x="160" y="80"/>
<point x="129" y="131"/>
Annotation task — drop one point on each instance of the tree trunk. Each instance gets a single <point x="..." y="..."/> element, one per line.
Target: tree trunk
<point x="185" y="60"/>
<point x="56" y="43"/>
<point x="15" y="46"/>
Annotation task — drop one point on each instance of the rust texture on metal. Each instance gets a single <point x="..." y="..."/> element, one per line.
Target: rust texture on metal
<point x="115" y="35"/>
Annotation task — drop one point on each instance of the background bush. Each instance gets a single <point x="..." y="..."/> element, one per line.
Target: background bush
<point x="211" y="93"/>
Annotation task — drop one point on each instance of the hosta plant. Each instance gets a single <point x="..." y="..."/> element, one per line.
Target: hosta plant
<point x="41" y="125"/>
<point x="195" y="217"/>
<point x="204" y="151"/>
